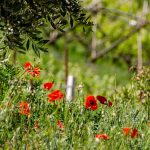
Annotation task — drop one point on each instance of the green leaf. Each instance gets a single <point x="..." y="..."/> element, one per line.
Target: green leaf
<point x="61" y="30"/>
<point x="36" y="50"/>
<point x="84" y="30"/>
<point x="49" y="19"/>
<point x="71" y="22"/>
<point x="21" y="47"/>
<point x="43" y="49"/>
<point x="63" y="22"/>
<point x="20" y="51"/>
<point x="28" y="44"/>
<point x="53" y="25"/>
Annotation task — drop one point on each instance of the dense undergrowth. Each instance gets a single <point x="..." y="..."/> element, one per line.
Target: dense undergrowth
<point x="63" y="125"/>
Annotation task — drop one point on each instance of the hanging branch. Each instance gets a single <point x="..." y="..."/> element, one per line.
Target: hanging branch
<point x="98" y="7"/>
<point x="120" y="41"/>
<point x="55" y="35"/>
<point x="19" y="19"/>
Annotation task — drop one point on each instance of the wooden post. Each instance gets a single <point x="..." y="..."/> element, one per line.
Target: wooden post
<point x="139" y="39"/>
<point x="139" y="53"/>
<point x="70" y="88"/>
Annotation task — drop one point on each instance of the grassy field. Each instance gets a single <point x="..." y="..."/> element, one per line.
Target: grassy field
<point x="30" y="119"/>
<point x="104" y="45"/>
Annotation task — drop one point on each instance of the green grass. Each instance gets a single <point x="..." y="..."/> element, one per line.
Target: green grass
<point x="80" y="124"/>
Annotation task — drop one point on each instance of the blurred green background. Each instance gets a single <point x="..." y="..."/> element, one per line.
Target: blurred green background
<point x="112" y="21"/>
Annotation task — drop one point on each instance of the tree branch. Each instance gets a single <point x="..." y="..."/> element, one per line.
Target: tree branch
<point x="120" y="41"/>
<point x="98" y="8"/>
<point x="55" y="35"/>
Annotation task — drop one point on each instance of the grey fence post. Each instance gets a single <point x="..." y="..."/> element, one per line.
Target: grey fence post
<point x="70" y="88"/>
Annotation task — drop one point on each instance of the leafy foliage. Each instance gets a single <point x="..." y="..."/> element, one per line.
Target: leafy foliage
<point x="21" y="19"/>
<point x="7" y="74"/>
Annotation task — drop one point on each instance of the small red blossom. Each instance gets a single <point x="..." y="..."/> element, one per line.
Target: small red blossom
<point x="134" y="133"/>
<point x="109" y="104"/>
<point x="104" y="101"/>
<point x="35" y="72"/>
<point x="48" y="85"/>
<point x="24" y="108"/>
<point x="91" y="102"/>
<point x="55" y="95"/>
<point x="101" y="99"/>
<point x="127" y="131"/>
<point x="28" y="66"/>
<point x="130" y="131"/>
<point x="60" y="124"/>
<point x="102" y="136"/>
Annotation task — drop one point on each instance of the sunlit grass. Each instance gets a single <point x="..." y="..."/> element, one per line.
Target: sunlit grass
<point x="40" y="129"/>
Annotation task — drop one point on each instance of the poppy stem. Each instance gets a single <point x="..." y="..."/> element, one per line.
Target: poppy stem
<point x="14" y="57"/>
<point x="31" y="85"/>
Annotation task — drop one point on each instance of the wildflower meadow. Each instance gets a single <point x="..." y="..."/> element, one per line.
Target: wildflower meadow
<point x="35" y="115"/>
<point x="74" y="75"/>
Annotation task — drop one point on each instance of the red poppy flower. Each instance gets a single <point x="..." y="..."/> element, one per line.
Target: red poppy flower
<point x="134" y="133"/>
<point x="48" y="85"/>
<point x="60" y="124"/>
<point x="127" y="131"/>
<point x="35" y="72"/>
<point x="24" y="108"/>
<point x="130" y="131"/>
<point x="28" y="66"/>
<point x="91" y="102"/>
<point x="102" y="136"/>
<point x="101" y="99"/>
<point x="55" y="95"/>
<point x="109" y="104"/>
